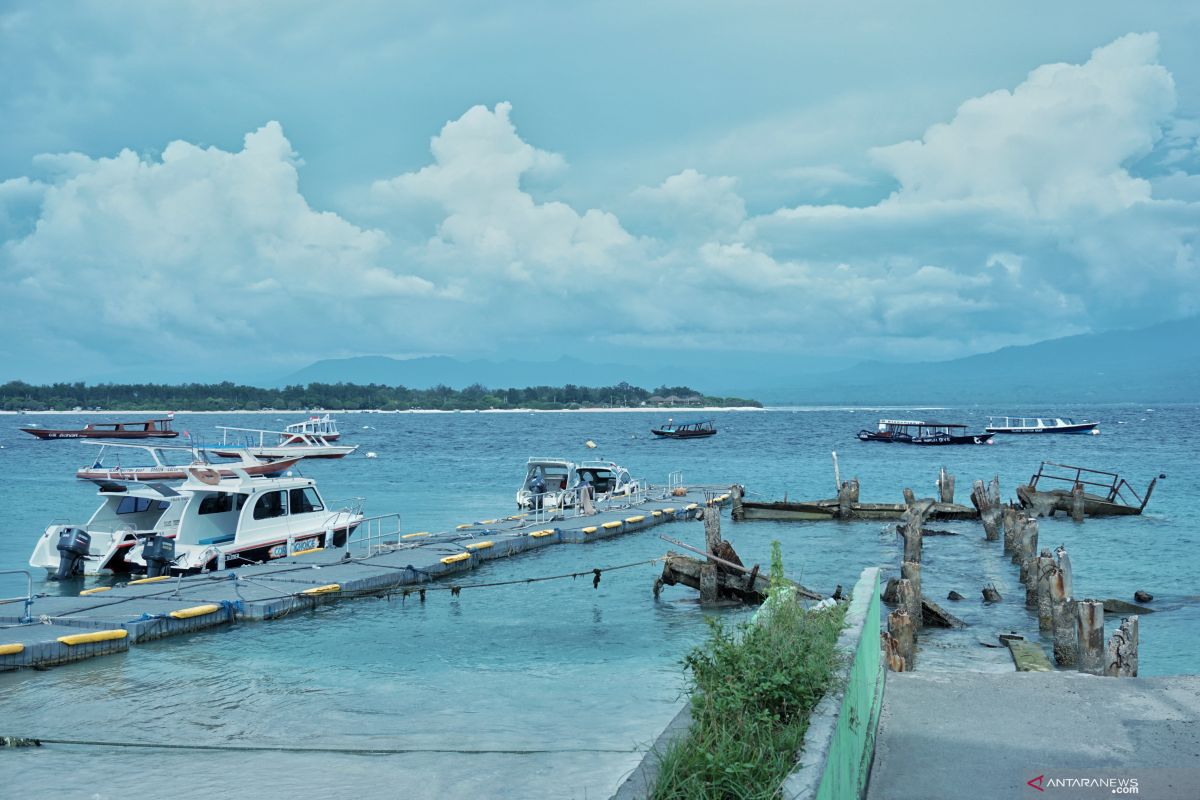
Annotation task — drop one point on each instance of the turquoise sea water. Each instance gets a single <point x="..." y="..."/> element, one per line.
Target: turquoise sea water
<point x="555" y="666"/>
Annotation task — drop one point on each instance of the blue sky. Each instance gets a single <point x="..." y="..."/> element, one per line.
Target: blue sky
<point x="209" y="190"/>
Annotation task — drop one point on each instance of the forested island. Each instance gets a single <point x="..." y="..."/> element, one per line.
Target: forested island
<point x="20" y="396"/>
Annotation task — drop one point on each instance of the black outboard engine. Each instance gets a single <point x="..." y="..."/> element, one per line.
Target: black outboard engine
<point x="73" y="545"/>
<point x="159" y="554"/>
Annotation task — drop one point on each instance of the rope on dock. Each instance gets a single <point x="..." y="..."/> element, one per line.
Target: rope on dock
<point x="27" y="741"/>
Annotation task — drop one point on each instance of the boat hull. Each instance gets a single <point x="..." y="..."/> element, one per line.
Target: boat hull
<point x="291" y="451"/>
<point x="171" y="474"/>
<point x="925" y="441"/>
<point x="682" y="434"/>
<point x="45" y="433"/>
<point x="1083" y="427"/>
<point x="1055" y="500"/>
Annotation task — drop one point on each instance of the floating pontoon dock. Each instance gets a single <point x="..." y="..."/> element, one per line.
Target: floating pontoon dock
<point x="104" y="620"/>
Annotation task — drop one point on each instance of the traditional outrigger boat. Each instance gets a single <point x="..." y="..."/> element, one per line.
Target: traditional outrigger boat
<point x="1102" y="493"/>
<point x="204" y="523"/>
<point x="277" y="444"/>
<point x="923" y="433"/>
<point x="695" y="429"/>
<point x="562" y="482"/>
<point x="166" y="463"/>
<point x="148" y="429"/>
<point x="325" y="427"/>
<point x="1039" y="425"/>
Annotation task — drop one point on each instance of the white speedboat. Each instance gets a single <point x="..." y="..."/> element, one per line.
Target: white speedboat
<point x="325" y="427"/>
<point x="168" y="463"/>
<point x="560" y="481"/>
<point x="229" y="522"/>
<point x="208" y="521"/>
<point x="1039" y="425"/>
<point x="278" y="444"/>
<point x="128" y="515"/>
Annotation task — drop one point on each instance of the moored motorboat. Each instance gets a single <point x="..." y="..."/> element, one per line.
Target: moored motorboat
<point x="694" y="429"/>
<point x="901" y="431"/>
<point x="558" y="483"/>
<point x="147" y="429"/>
<point x="325" y="427"/>
<point x="230" y="522"/>
<point x="1039" y="425"/>
<point x="167" y="463"/>
<point x="277" y="444"/>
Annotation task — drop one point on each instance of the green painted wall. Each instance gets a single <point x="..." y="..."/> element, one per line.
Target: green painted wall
<point x="849" y="761"/>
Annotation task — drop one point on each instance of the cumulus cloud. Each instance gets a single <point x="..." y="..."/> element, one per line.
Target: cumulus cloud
<point x="1068" y="202"/>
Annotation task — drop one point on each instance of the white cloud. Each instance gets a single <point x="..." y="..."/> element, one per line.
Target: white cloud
<point x="690" y="205"/>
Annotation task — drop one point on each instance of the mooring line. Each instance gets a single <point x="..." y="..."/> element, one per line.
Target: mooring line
<point x="27" y="741"/>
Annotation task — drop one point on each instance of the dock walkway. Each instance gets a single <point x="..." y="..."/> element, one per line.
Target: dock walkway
<point x="154" y="608"/>
<point x="953" y="735"/>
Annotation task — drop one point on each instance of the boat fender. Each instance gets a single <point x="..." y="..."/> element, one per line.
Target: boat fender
<point x="73" y="545"/>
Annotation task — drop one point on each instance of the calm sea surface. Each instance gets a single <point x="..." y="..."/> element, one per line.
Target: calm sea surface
<point x="556" y="665"/>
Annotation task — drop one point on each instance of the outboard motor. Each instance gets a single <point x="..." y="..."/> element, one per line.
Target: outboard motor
<point x="159" y="554"/>
<point x="73" y="545"/>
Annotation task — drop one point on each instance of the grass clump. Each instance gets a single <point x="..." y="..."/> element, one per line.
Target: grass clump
<point x="753" y="688"/>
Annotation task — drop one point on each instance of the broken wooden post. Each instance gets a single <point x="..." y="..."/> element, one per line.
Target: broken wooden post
<point x="1062" y="611"/>
<point x="1089" y="632"/>
<point x="890" y="651"/>
<point x="1011" y="520"/>
<point x="736" y="493"/>
<point x="712" y="529"/>
<point x="945" y="485"/>
<point x="988" y="511"/>
<point x="843" y="500"/>
<point x="1029" y="549"/>
<point x="1077" y="502"/>
<point x="910" y="528"/>
<point x="1045" y="565"/>
<point x="852" y="491"/>
<point x="993" y="492"/>
<point x="1121" y="656"/>
<point x="900" y="626"/>
<point x="911" y="572"/>
<point x="708" y="583"/>
<point x="910" y="499"/>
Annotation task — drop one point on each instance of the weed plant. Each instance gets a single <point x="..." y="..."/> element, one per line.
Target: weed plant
<point x="753" y="688"/>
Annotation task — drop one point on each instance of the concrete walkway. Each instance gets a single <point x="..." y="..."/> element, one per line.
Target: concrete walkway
<point x="982" y="735"/>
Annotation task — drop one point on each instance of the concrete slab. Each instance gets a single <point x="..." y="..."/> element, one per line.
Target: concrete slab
<point x="970" y="734"/>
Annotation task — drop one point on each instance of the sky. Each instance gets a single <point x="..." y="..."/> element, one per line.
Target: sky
<point x="218" y="190"/>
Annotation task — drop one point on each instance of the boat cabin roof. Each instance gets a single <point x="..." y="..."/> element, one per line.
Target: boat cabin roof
<point x="920" y="424"/>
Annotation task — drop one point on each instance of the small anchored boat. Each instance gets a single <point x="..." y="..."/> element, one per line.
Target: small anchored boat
<point x="1053" y="488"/>
<point x="147" y="429"/>
<point x="325" y="427"/>
<point x="168" y="464"/>
<point x="1039" y="425"/>
<point x="901" y="431"/>
<point x="694" y="429"/>
<point x="558" y="483"/>
<point x="277" y="444"/>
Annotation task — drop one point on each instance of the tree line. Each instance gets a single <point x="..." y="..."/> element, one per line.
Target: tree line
<point x="227" y="396"/>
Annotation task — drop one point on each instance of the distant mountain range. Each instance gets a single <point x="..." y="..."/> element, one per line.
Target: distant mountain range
<point x="1160" y="363"/>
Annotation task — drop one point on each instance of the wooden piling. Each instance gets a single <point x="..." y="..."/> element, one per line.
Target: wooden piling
<point x="1121" y="654"/>
<point x="736" y="493"/>
<point x="1011" y="521"/>
<point x="945" y="485"/>
<point x="1045" y="565"/>
<point x="1029" y="549"/>
<point x="988" y="511"/>
<point x="911" y="572"/>
<point x="900" y="626"/>
<point x="1077" y="505"/>
<point x="1089" y="632"/>
<point x="910" y="499"/>
<point x="1062" y="613"/>
<point x="910" y="528"/>
<point x="993" y="492"/>
<point x="890" y="651"/>
<point x="843" y="498"/>
<point x="712" y="529"/>
<point x="708" y="583"/>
